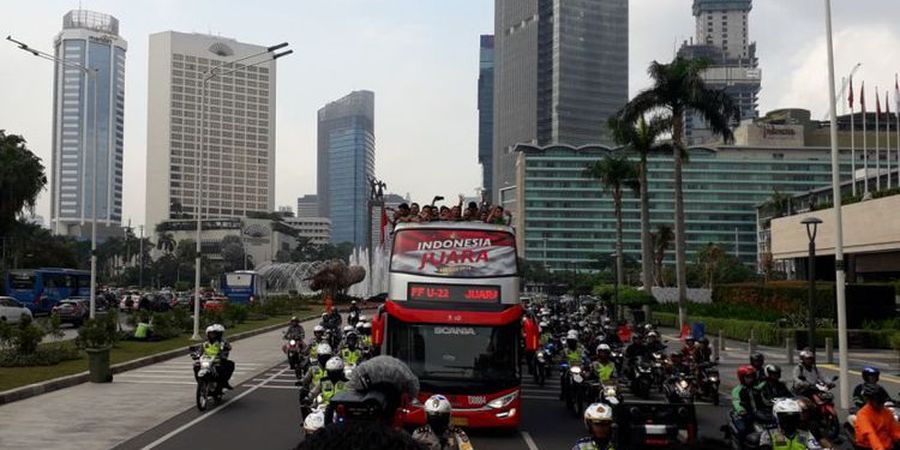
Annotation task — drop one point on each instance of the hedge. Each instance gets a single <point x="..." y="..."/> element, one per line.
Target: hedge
<point x="786" y="297"/>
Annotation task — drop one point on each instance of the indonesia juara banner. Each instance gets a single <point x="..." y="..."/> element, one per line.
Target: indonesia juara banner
<point x="454" y="253"/>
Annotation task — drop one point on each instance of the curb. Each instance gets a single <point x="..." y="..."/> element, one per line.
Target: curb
<point x="55" y="384"/>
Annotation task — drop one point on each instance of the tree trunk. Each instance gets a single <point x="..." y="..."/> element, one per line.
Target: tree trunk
<point x="646" y="245"/>
<point x="680" y="241"/>
<point x="620" y="272"/>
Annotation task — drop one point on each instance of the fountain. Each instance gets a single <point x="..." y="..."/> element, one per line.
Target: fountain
<point x="282" y="278"/>
<point x="376" y="272"/>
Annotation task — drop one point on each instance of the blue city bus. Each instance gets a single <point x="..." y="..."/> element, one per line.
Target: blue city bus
<point x="41" y="289"/>
<point x="244" y="286"/>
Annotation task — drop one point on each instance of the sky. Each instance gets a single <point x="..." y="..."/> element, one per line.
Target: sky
<point x="420" y="57"/>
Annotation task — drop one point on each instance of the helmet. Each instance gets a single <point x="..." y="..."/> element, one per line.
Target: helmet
<point x="870" y="374"/>
<point x="787" y="413"/>
<point x="874" y="391"/>
<point x="215" y="331"/>
<point x="744" y="372"/>
<point x="363" y="318"/>
<point x="572" y="334"/>
<point x="653" y="334"/>
<point x="323" y="352"/>
<point x="544" y="324"/>
<point x="352" y="302"/>
<point x="597" y="413"/>
<point x="437" y="404"/>
<point x="772" y="371"/>
<point x="347" y="329"/>
<point x="603" y="348"/>
<point x="352" y="337"/>
<point x="757" y="359"/>
<point x="318" y="330"/>
<point x="689" y="339"/>
<point x="367" y="327"/>
<point x="807" y="353"/>
<point x="294" y="319"/>
<point x="335" y="364"/>
<point x="313" y="422"/>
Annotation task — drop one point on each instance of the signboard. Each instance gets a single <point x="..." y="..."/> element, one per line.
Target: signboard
<point x="453" y="292"/>
<point x="454" y="253"/>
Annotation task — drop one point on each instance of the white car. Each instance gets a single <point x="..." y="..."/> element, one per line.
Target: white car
<point x="11" y="310"/>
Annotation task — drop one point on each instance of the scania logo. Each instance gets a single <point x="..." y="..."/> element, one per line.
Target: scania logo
<point x="459" y="331"/>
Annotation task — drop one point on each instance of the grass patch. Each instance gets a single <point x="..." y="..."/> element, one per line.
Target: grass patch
<point x="14" y="377"/>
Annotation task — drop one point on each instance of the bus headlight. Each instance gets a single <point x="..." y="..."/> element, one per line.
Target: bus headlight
<point x="502" y="402"/>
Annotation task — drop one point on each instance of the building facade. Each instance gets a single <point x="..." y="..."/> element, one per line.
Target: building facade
<point x="264" y="241"/>
<point x="568" y="219"/>
<point x="346" y="164"/>
<point x="308" y="206"/>
<point x="81" y="158"/>
<point x="238" y="162"/>
<point x="486" y="112"/>
<point x="722" y="37"/>
<point x="561" y="71"/>
<point x="316" y="229"/>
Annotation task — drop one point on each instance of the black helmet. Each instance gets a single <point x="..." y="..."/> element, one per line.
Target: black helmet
<point x="757" y="359"/>
<point x="870" y="374"/>
<point x="772" y="371"/>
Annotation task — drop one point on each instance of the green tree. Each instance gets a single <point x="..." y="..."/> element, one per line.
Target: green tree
<point x="713" y="266"/>
<point x="233" y="253"/>
<point x="616" y="173"/>
<point x="678" y="88"/>
<point x="21" y="179"/>
<point x="662" y="240"/>
<point x="166" y="243"/>
<point x="642" y="137"/>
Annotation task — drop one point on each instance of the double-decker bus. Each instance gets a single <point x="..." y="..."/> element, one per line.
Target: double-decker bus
<point x="244" y="286"/>
<point x="453" y="316"/>
<point x="41" y="289"/>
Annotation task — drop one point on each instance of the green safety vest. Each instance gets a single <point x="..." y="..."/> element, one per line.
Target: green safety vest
<point x="317" y="374"/>
<point x="329" y="389"/>
<point x="800" y="441"/>
<point x="350" y="356"/>
<point x="573" y="357"/>
<point x="141" y="331"/>
<point x="212" y="350"/>
<point x="604" y="371"/>
<point x="365" y="341"/>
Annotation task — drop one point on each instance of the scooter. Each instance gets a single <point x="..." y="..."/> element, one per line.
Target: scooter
<point x="708" y="382"/>
<point x="294" y="350"/>
<point x="825" y="414"/>
<point x="207" y="380"/>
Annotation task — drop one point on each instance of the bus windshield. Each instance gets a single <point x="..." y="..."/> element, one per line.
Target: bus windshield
<point x="454" y="253"/>
<point x="234" y="279"/>
<point x="457" y="352"/>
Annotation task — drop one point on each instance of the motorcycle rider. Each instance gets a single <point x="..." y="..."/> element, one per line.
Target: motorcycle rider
<point x="745" y="412"/>
<point x="332" y="383"/>
<point x="598" y="419"/>
<point x="758" y="361"/>
<point x="603" y="366"/>
<point x="870" y="375"/>
<point x="654" y="345"/>
<point x="531" y="333"/>
<point x="788" y="435"/>
<point x="690" y="345"/>
<point x="806" y="374"/>
<point x="332" y="320"/>
<point x="771" y="388"/>
<point x="574" y="352"/>
<point x="438" y="433"/>
<point x="317" y="371"/>
<point x="295" y="330"/>
<point x="351" y="353"/>
<point x="218" y="348"/>
<point x="702" y="352"/>
<point x="876" y="427"/>
<point x="677" y="365"/>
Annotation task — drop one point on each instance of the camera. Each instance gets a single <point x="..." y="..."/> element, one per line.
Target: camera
<point x="355" y="406"/>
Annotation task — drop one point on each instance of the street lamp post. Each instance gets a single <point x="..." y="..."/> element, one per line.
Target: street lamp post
<point x="206" y="77"/>
<point x="91" y="73"/>
<point x="615" y="265"/>
<point x="812" y="225"/>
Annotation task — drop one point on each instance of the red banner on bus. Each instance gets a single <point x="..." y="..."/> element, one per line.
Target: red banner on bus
<point x="454" y="253"/>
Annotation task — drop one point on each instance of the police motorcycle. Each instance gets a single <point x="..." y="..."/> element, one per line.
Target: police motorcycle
<point x="542" y="360"/>
<point x="293" y="348"/>
<point x="708" y="382"/>
<point x="208" y="387"/>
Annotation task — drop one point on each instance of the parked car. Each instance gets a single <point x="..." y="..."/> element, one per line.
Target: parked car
<point x="216" y="303"/>
<point x="154" y="302"/>
<point x="73" y="310"/>
<point x="130" y="301"/>
<point x="11" y="310"/>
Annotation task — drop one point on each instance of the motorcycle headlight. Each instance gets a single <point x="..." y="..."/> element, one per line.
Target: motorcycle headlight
<point x="204" y="364"/>
<point x="540" y="356"/>
<point x="611" y="391"/>
<point x="713" y="379"/>
<point x="293" y="342"/>
<point x="683" y="384"/>
<point x="575" y="370"/>
<point x="504" y="401"/>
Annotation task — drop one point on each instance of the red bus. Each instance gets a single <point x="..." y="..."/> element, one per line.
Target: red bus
<point x="453" y="316"/>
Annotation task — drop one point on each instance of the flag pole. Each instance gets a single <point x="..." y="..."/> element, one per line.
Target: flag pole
<point x="887" y="139"/>
<point x="853" y="138"/>
<point x="877" y="140"/>
<point x="865" y="120"/>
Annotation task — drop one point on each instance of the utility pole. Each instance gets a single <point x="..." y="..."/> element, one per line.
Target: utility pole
<point x="141" y="261"/>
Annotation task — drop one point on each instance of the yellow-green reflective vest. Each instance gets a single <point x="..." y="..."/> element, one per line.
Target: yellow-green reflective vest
<point x="329" y="389"/>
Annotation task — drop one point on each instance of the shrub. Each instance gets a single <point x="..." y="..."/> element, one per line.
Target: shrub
<point x="99" y="332"/>
<point x="44" y="355"/>
<point x="632" y="297"/>
<point x="234" y="314"/>
<point x="724" y="310"/>
<point x="23" y="337"/>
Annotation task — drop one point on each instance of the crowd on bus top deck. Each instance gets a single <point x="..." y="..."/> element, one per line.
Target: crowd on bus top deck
<point x="472" y="212"/>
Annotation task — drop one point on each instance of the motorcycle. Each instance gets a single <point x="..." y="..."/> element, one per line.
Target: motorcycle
<point x="658" y="371"/>
<point x="825" y="414"/>
<point x="708" y="382"/>
<point x="540" y="366"/>
<point x="293" y="348"/>
<point x="750" y="441"/>
<point x="207" y="380"/>
<point x="353" y="318"/>
<point x="573" y="390"/>
<point x="679" y="388"/>
<point x="641" y="378"/>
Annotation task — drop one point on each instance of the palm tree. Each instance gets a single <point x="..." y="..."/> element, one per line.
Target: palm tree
<point x="166" y="243"/>
<point x="678" y="89"/>
<point x="22" y="178"/>
<point x="642" y="137"/>
<point x="616" y="173"/>
<point x="662" y="239"/>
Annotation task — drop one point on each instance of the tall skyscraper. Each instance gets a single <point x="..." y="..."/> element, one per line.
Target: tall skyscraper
<point x="308" y="206"/>
<point x="723" y="39"/>
<point x="486" y="112"/>
<point x="239" y="134"/>
<point x="561" y="70"/>
<point x="346" y="163"/>
<point x="92" y="40"/>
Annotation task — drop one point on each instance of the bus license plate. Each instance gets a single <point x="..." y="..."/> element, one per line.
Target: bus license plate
<point x="459" y="421"/>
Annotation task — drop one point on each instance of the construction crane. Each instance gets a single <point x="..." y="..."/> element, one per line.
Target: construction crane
<point x="845" y="82"/>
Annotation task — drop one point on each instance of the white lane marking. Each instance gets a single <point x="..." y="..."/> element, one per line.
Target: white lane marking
<point x="203" y="417"/>
<point x="269" y="386"/>
<point x="541" y="397"/>
<point x="529" y="441"/>
<point x="155" y="382"/>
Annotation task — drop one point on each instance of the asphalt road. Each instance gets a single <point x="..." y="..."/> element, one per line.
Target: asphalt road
<point x="263" y="413"/>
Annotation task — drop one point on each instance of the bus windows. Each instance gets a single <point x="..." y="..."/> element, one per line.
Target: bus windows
<point x="21" y="281"/>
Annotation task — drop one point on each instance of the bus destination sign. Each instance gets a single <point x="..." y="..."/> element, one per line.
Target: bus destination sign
<point x="453" y="293"/>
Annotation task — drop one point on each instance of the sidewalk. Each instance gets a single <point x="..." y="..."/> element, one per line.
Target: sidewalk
<point x="99" y="416"/>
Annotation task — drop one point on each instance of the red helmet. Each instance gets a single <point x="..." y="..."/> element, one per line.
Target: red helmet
<point x="745" y="371"/>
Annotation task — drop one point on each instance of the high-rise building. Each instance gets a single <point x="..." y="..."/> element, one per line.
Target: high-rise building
<point x="308" y="206"/>
<point x="723" y="39"/>
<point x="88" y="39"/>
<point x="560" y="72"/>
<point x="346" y="164"/>
<point x="238" y="161"/>
<point x="486" y="112"/>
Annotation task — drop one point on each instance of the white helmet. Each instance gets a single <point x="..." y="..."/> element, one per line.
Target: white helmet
<point x="807" y="353"/>
<point x="786" y="406"/>
<point x="363" y="318"/>
<point x="211" y="328"/>
<point x="314" y="422"/>
<point x="572" y="334"/>
<point x="318" y="329"/>
<point x="335" y="364"/>
<point x="597" y="413"/>
<point x="603" y="348"/>
<point x="437" y="404"/>
<point x="215" y="328"/>
<point x="323" y="349"/>
<point x="347" y="328"/>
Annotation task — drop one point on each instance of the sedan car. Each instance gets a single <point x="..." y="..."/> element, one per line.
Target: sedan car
<point x="72" y="310"/>
<point x="11" y="310"/>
